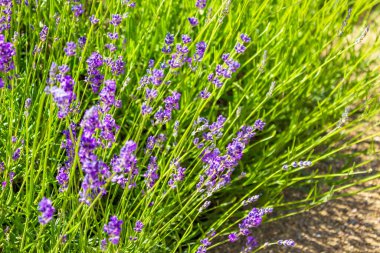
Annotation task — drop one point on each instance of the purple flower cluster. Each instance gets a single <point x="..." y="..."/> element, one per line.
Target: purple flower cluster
<point x="69" y="145"/>
<point x="286" y="243"/>
<point x="82" y="41"/>
<point x="178" y="175"/>
<point x="7" y="51"/>
<point x="124" y="166"/>
<point x="204" y="244"/>
<point x="95" y="170"/>
<point x="297" y="164"/>
<point x="240" y="48"/>
<point x="129" y="3"/>
<point x="117" y="66"/>
<point x="252" y="220"/>
<point x="151" y="175"/>
<point x="223" y="71"/>
<point x="245" y="38"/>
<point x="44" y="32"/>
<point x="153" y="141"/>
<point x="107" y="95"/>
<point x="220" y="167"/>
<point x="77" y="9"/>
<point x="6" y="16"/>
<point x="250" y="200"/>
<point x="47" y="211"/>
<point x="155" y="77"/>
<point x="138" y="226"/>
<point x="193" y="21"/>
<point x="200" y="49"/>
<point x="64" y="94"/>
<point x="16" y="154"/>
<point x="94" y="76"/>
<point x="201" y="4"/>
<point x="113" y="229"/>
<point x="116" y="20"/>
<point x="179" y="58"/>
<point x="70" y="48"/>
<point x="94" y="20"/>
<point x="163" y="115"/>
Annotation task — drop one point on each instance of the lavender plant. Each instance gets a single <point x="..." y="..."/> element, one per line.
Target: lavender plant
<point x="176" y="126"/>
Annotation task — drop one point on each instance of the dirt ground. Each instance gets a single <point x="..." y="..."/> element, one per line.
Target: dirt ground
<point x="346" y="225"/>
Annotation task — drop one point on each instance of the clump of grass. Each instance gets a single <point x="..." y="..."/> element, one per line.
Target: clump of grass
<point x="175" y="126"/>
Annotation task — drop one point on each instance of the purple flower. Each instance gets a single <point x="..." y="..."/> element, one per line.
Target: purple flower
<point x="205" y="206"/>
<point x="82" y="41"/>
<point x="169" y="39"/>
<point x="138" y="226"/>
<point x="11" y="176"/>
<point x="253" y="219"/>
<point x="251" y="243"/>
<point x="94" y="20"/>
<point x="95" y="170"/>
<point x="157" y="77"/>
<point x="233" y="237"/>
<point x="118" y="66"/>
<point x="259" y="125"/>
<point x="95" y="78"/>
<point x="111" y="47"/>
<point x="107" y="94"/>
<point x="70" y="48"/>
<point x="193" y="21"/>
<point x="239" y="48"/>
<point x="146" y="109"/>
<point x="28" y="103"/>
<point x="125" y="165"/>
<point x="205" y="242"/>
<point x="151" y="175"/>
<point x="63" y="178"/>
<point x="151" y="63"/>
<point x="200" y="50"/>
<point x="116" y="19"/>
<point x="103" y="244"/>
<point x="185" y="38"/>
<point x="166" y="50"/>
<point x="16" y="154"/>
<point x="77" y="9"/>
<point x="7" y="51"/>
<point x="44" y="33"/>
<point x="178" y="175"/>
<point x="95" y="61"/>
<point x="225" y="57"/>
<point x="64" y="95"/>
<point x="109" y="129"/>
<point x="286" y="243"/>
<point x="245" y="38"/>
<point x="113" y="229"/>
<point x="150" y="142"/>
<point x="113" y="36"/>
<point x="201" y="4"/>
<point x="150" y="94"/>
<point x="201" y="249"/>
<point x="47" y="211"/>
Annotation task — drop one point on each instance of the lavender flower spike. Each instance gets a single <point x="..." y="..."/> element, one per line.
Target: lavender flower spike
<point x="193" y="21"/>
<point x="47" y="211"/>
<point x="113" y="229"/>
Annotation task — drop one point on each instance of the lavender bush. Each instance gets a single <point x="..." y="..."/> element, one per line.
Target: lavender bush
<point x="176" y="126"/>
